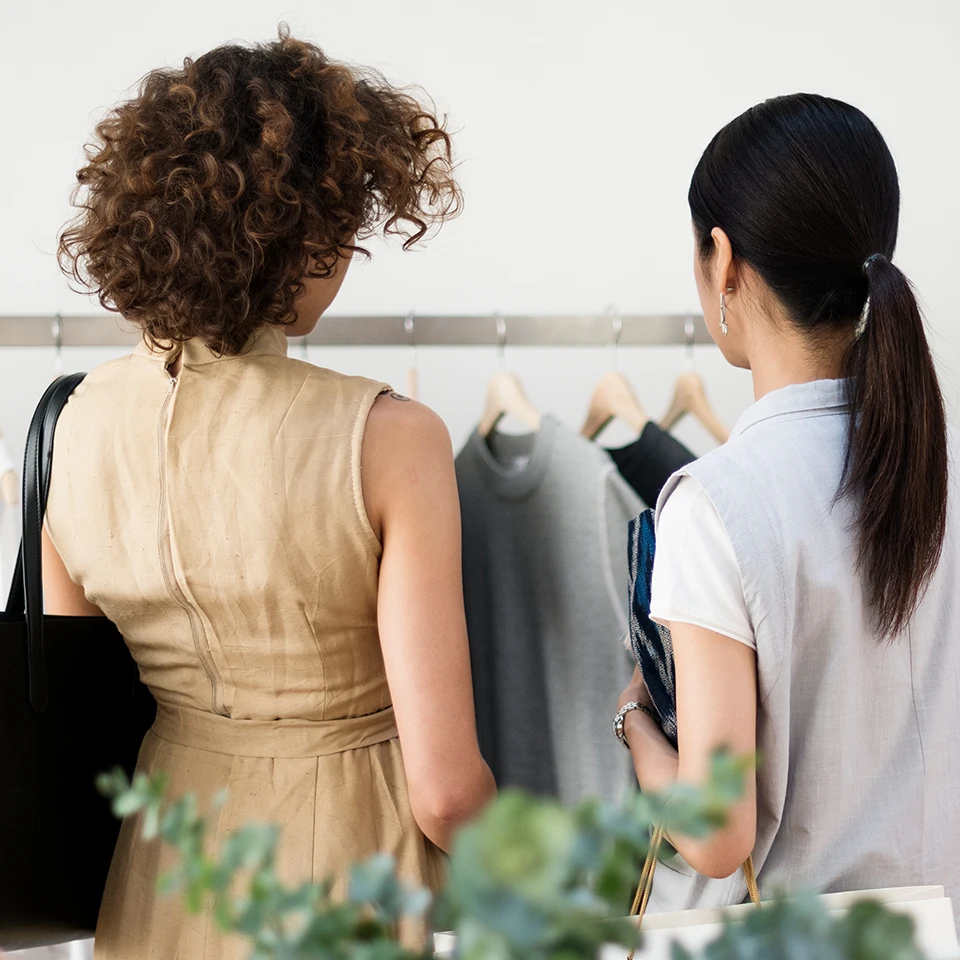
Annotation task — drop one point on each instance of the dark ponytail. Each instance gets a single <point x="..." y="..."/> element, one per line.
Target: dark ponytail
<point x="897" y="457"/>
<point x="807" y="192"/>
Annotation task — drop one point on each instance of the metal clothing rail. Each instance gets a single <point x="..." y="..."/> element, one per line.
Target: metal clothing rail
<point x="388" y="331"/>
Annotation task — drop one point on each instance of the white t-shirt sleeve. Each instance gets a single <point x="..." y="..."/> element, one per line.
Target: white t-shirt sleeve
<point x="696" y="578"/>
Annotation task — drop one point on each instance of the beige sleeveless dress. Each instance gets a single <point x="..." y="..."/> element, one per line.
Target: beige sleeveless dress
<point x="218" y="519"/>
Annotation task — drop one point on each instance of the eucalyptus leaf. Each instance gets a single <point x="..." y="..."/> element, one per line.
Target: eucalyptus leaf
<point x="371" y="879"/>
<point x="678" y="952"/>
<point x="128" y="803"/>
<point x="171" y="881"/>
<point x="870" y="932"/>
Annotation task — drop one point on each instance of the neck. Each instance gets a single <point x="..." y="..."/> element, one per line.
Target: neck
<point x="781" y="355"/>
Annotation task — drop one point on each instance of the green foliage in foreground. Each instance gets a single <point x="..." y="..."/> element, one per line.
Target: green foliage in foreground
<point x="800" y="929"/>
<point x="529" y="880"/>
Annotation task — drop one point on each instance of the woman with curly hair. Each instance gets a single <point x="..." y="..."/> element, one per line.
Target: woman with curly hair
<point x="278" y="543"/>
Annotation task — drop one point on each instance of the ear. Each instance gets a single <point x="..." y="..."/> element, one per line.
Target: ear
<point x="724" y="267"/>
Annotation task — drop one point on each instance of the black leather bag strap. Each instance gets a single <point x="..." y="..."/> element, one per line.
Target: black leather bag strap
<point x="15" y="597"/>
<point x="27" y="586"/>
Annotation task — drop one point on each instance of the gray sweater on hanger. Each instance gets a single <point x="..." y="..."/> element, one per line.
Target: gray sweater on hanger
<point x="545" y="583"/>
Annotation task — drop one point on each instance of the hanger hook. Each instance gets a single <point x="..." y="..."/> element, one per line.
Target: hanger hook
<point x="58" y="343"/>
<point x="689" y="339"/>
<point x="616" y="331"/>
<point x="410" y="330"/>
<point x="501" y="340"/>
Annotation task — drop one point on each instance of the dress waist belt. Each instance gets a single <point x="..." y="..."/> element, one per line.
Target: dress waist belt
<point x="271" y="738"/>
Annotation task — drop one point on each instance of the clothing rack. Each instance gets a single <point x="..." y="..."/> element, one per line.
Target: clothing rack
<point x="558" y="330"/>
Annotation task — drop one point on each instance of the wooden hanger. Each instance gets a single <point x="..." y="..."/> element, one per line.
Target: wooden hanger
<point x="413" y="384"/>
<point x="689" y="396"/>
<point x="612" y="399"/>
<point x="505" y="394"/>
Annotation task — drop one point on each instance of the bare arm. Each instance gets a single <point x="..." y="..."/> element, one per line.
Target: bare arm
<point x="410" y="490"/>
<point x="61" y="596"/>
<point x="716" y="707"/>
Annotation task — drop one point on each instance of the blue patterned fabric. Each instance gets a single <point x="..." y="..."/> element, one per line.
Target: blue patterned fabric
<point x="651" y="643"/>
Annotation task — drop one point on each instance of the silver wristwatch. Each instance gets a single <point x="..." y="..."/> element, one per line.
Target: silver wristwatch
<point x="621" y="715"/>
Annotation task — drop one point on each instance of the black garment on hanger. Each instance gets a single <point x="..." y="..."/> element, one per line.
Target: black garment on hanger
<point x="648" y="462"/>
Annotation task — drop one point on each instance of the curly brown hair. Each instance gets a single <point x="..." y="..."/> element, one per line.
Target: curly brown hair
<point x="208" y="198"/>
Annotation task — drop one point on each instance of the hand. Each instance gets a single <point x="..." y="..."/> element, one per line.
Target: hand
<point x="635" y="692"/>
<point x="654" y="758"/>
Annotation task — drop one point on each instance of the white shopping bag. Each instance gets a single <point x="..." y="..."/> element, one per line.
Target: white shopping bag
<point x="932" y="913"/>
<point x="73" y="950"/>
<point x="444" y="945"/>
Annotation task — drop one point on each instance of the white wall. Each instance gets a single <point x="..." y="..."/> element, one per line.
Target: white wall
<point x="578" y="126"/>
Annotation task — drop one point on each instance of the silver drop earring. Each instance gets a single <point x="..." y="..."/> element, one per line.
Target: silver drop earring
<point x="724" y="329"/>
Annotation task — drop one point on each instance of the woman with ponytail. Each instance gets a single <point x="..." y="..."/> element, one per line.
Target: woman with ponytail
<point x="808" y="569"/>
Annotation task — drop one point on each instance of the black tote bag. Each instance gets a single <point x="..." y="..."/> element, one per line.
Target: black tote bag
<point x="71" y="706"/>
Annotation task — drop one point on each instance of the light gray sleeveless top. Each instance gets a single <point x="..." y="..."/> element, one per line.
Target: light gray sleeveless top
<point x="859" y="783"/>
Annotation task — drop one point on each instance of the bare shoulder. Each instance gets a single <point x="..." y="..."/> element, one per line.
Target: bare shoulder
<point x="407" y="460"/>
<point x="397" y="424"/>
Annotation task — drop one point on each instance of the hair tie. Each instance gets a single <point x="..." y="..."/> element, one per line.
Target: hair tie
<point x="871" y="260"/>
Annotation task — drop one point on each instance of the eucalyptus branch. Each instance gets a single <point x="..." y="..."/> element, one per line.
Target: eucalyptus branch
<point x="281" y="923"/>
<point x="528" y="880"/>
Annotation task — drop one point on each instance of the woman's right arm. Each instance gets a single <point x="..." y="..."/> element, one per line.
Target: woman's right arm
<point x="410" y="491"/>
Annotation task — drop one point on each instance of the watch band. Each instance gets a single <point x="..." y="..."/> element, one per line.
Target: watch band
<point x="621" y="716"/>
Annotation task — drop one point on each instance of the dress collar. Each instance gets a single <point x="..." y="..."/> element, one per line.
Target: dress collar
<point x="269" y="340"/>
<point x="797" y="399"/>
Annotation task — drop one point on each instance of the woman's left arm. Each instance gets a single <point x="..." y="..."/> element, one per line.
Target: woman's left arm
<point x="716" y="679"/>
<point x="61" y="596"/>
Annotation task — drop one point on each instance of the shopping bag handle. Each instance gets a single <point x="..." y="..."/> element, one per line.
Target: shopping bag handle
<point x="645" y="886"/>
<point x="26" y="589"/>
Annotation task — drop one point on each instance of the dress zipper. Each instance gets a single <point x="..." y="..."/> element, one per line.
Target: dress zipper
<point x="164" y="536"/>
